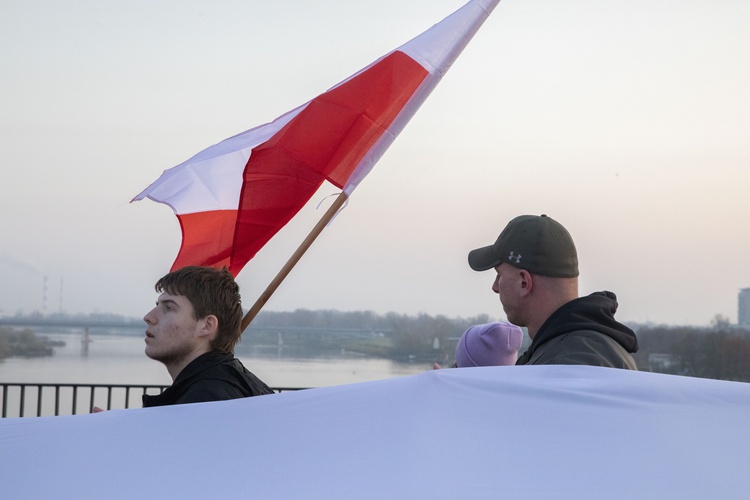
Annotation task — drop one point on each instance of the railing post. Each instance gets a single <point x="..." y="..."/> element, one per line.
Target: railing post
<point x="39" y="400"/>
<point x="23" y="398"/>
<point x="57" y="400"/>
<point x="75" y="399"/>
<point x="91" y="400"/>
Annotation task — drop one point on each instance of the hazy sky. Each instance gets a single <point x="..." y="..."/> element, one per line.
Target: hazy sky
<point x="629" y="122"/>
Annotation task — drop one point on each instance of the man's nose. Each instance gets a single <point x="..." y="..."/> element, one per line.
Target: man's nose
<point x="149" y="317"/>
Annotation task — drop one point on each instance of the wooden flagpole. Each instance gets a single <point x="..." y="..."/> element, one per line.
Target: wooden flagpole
<point x="337" y="204"/>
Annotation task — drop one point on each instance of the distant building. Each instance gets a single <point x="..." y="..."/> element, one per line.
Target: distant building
<point x="743" y="316"/>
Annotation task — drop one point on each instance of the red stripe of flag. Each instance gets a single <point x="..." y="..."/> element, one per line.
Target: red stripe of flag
<point x="325" y="141"/>
<point x="206" y="238"/>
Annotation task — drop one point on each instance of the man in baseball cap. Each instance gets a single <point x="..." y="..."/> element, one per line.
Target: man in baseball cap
<point x="537" y="280"/>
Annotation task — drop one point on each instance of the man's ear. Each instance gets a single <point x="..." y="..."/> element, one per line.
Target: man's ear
<point x="525" y="282"/>
<point x="210" y="325"/>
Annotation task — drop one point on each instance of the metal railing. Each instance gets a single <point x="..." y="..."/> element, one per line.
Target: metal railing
<point x="22" y="400"/>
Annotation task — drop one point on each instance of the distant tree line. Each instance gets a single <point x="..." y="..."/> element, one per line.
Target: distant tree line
<point x="24" y="343"/>
<point x="396" y="336"/>
<point x="720" y="351"/>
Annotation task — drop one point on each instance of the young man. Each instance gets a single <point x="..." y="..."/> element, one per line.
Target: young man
<point x="537" y="280"/>
<point x="193" y="330"/>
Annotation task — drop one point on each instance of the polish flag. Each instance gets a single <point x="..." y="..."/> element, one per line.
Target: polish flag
<point x="234" y="196"/>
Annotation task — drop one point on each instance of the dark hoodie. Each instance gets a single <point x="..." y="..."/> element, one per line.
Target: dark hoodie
<point x="213" y="376"/>
<point x="584" y="332"/>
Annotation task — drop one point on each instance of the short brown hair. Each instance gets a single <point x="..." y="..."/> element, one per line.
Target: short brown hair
<point x="210" y="291"/>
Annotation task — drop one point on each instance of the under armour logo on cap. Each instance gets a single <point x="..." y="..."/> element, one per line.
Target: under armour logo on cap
<point x="513" y="257"/>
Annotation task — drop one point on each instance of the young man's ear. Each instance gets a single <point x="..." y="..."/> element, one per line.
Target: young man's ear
<point x="210" y="325"/>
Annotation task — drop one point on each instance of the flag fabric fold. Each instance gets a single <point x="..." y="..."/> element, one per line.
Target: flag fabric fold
<point x="234" y="196"/>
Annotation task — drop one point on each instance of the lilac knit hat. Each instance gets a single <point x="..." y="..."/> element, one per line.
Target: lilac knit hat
<point x="492" y="344"/>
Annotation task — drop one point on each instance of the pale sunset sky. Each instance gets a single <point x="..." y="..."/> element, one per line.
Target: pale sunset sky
<point x="628" y="122"/>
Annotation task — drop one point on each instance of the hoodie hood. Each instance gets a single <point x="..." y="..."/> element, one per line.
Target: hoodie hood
<point x="593" y="312"/>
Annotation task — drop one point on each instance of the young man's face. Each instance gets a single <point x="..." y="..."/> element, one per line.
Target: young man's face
<point x="172" y="329"/>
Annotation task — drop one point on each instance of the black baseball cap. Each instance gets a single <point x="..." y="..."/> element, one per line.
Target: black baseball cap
<point x="536" y="243"/>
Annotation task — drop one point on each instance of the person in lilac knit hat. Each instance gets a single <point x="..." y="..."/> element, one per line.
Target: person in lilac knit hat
<point x="491" y="344"/>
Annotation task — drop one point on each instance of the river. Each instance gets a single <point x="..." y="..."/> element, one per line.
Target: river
<point x="119" y="359"/>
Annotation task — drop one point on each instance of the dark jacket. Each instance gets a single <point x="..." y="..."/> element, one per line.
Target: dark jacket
<point x="584" y="332"/>
<point x="213" y="376"/>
